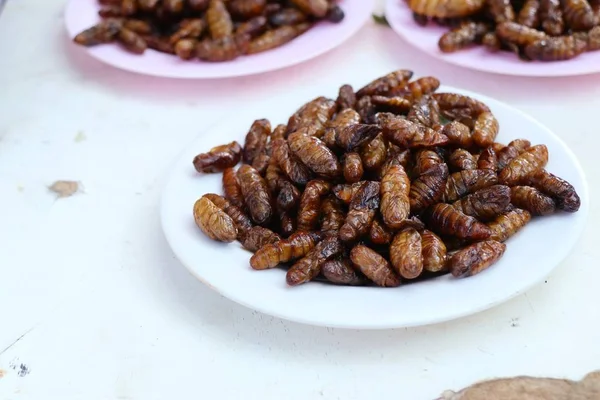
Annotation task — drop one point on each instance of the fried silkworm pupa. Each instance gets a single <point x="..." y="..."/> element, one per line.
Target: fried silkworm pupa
<point x="287" y="16"/>
<point x="231" y="187"/>
<point x="290" y="164"/>
<point x="346" y="98"/>
<point x="578" y="15"/>
<point x="240" y="219"/>
<point x="352" y="136"/>
<point x="475" y="258"/>
<point x="508" y="153"/>
<point x="362" y="211"/>
<point x="593" y="38"/>
<point x="132" y="41"/>
<point x="246" y="9"/>
<point x="138" y="26"/>
<point x="353" y="167"/>
<point x="379" y="233"/>
<point x="402" y="158"/>
<point x="491" y="42"/>
<point x="461" y="159"/>
<point x="518" y="34"/>
<point x="428" y="188"/>
<point x="458" y="134"/>
<point x="374" y="266"/>
<point x="256" y="194"/>
<point x="345" y="118"/>
<point x="551" y="17"/>
<point x="420" y="20"/>
<point x="447" y="220"/>
<point x="150" y="5"/>
<point x="426" y="160"/>
<point x="310" y="204"/>
<point x="274" y="177"/>
<point x="188" y="29"/>
<point x="556" y="48"/>
<point x="292" y="248"/>
<point x="485" y="204"/>
<point x="529" y="15"/>
<point x="532" y="200"/>
<point x="173" y="6"/>
<point x="341" y="272"/>
<point x="450" y="102"/>
<point x="406" y="254"/>
<point x="195" y="5"/>
<point x="386" y="85"/>
<point x="520" y="168"/>
<point x="408" y="134"/>
<point x="395" y="203"/>
<point x="425" y="111"/>
<point x="485" y="130"/>
<point x="335" y="13"/>
<point x="257" y="237"/>
<point x="186" y="48"/>
<point x="315" y="154"/>
<point x="110" y="11"/>
<point x="310" y="266"/>
<point x="218" y="158"/>
<point x="256" y="139"/>
<point x="332" y="215"/>
<point x="433" y="252"/>
<point x="345" y="192"/>
<point x="507" y="224"/>
<point x="468" y="181"/>
<point x="159" y="43"/>
<point x="421" y="87"/>
<point x="396" y="104"/>
<point x="288" y="197"/>
<point x="313" y="115"/>
<point x="488" y="160"/>
<point x="316" y="8"/>
<point x="463" y="36"/>
<point x="559" y="189"/>
<point x="128" y="7"/>
<point x="446" y="9"/>
<point x="373" y="153"/>
<point x="366" y="109"/>
<point x="223" y="49"/>
<point x="104" y="32"/>
<point x="276" y="37"/>
<point x="501" y="10"/>
<point x="287" y="224"/>
<point x="213" y="221"/>
<point x="252" y="27"/>
<point x="218" y="20"/>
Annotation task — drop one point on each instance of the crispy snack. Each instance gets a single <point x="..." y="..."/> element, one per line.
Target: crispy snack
<point x="508" y="153"/>
<point x="276" y="37"/>
<point x="314" y="154"/>
<point x="395" y="105"/>
<point x="288" y="197"/>
<point x="428" y="188"/>
<point x="287" y="16"/>
<point x="256" y="194"/>
<point x="560" y="190"/>
<point x="491" y="42"/>
<point x="406" y="254"/>
<point x="352" y="167"/>
<point x="446" y="8"/>
<point x="518" y="34"/>
<point x="403" y="158"/>
<point x="425" y="111"/>
<point x="150" y="5"/>
<point x="290" y="164"/>
<point x="475" y="258"/>
<point x="529" y="15"/>
<point x="461" y="159"/>
<point x="485" y="204"/>
<point x="287" y="223"/>
<point x="551" y="17"/>
<point x="426" y="160"/>
<point x="379" y="233"/>
<point x="458" y="134"/>
<point x="421" y="87"/>
<point x="524" y="165"/>
<point x="188" y="29"/>
<point x="506" y="225"/>
<point x="296" y="246"/>
<point x="213" y="221"/>
<point x="362" y="211"/>
<point x="252" y="27"/>
<point x="275" y="177"/>
<point x="341" y="272"/>
<point x="387" y="85"/>
<point x="104" y="32"/>
<point x="351" y="136"/>
<point x="332" y="215"/>
<point x="468" y="181"/>
<point x="138" y="26"/>
<point x="532" y="200"/>
<point x="447" y="220"/>
<point x="395" y="203"/>
<point x="343" y="119"/>
<point x="218" y="158"/>
<point x="246" y="8"/>
<point x="159" y="43"/>
<point x="579" y="15"/>
<point x="128" y="7"/>
<point x="453" y="105"/>
<point x="366" y="109"/>
<point x="317" y="8"/>
<point x="488" y="159"/>
<point x="132" y="41"/>
<point x="374" y="266"/>
<point x="313" y="116"/>
<point x="407" y="134"/>
<point x="257" y="237"/>
<point x="346" y="192"/>
<point x="485" y="130"/>
<point x="463" y="36"/>
<point x="195" y="5"/>
<point x="373" y="153"/>
<point x="218" y="20"/>
<point x="222" y="49"/>
<point x="173" y="6"/>
<point x="556" y="48"/>
<point x="310" y="266"/>
<point x="186" y="48"/>
<point x="239" y="217"/>
<point x="310" y="204"/>
<point x="501" y="10"/>
<point x="346" y="98"/>
<point x="433" y="252"/>
<point x="256" y="139"/>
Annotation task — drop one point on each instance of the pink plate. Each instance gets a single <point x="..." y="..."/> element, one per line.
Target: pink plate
<point x="81" y="14"/>
<point x="426" y="39"/>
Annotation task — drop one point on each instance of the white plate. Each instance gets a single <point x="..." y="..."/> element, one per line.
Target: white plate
<point x="530" y="256"/>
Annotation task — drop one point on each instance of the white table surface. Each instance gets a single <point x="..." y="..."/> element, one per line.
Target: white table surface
<point x="94" y="305"/>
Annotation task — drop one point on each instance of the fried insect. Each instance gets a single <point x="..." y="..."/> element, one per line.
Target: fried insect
<point x="488" y="159"/>
<point x="491" y="42"/>
<point x="132" y="41"/>
<point x="426" y="160"/>
<point x="461" y="159"/>
<point x="428" y="188"/>
<point x="159" y="43"/>
<point x="461" y="37"/>
<point x="231" y="187"/>
<point x="351" y="136"/>
<point x="518" y="34"/>
<point x="287" y="16"/>
<point x="454" y="105"/>
<point x="188" y="29"/>
<point x="578" y="15"/>
<point x="468" y="181"/>
<point x="256" y="194"/>
<point x="334" y="13"/>
<point x="314" y="154"/>
<point x="317" y="8"/>
<point x="507" y="224"/>
<point x="290" y="164"/>
<point x="425" y="111"/>
<point x="186" y="48"/>
<point x="551" y="17"/>
<point x="222" y="49"/>
<point x="475" y="258"/>
<point x="218" y="158"/>
<point x="313" y="116"/>
<point x="447" y="220"/>
<point x="341" y="272"/>
<point x="253" y="27"/>
<point x="111" y="11"/>
<point x="421" y="87"/>
<point x="458" y="134"/>
<point x="218" y="20"/>
<point x="288" y="197"/>
<point x="395" y="203"/>
<point x="310" y="204"/>
<point x="276" y="37"/>
<point x="402" y="158"/>
<point x="374" y="266"/>
<point x="532" y="200"/>
<point x="408" y="134"/>
<point x="373" y="153"/>
<point x="396" y="104"/>
<point x="310" y="266"/>
<point x="345" y="192"/>
<point x="529" y="14"/>
<point x="485" y="204"/>
<point x="508" y="153"/>
<point x="173" y="6"/>
<point x="138" y="26"/>
<point x="196" y="5"/>
<point x="257" y="237"/>
<point x="386" y="85"/>
<point x="501" y="10"/>
<point x="346" y="98"/>
<point x="274" y="177"/>
<point x="332" y="215"/>
<point x="362" y="211"/>
<point x="556" y="48"/>
<point x="128" y="7"/>
<point x="520" y="168"/>
<point x="239" y="217"/>
<point x="353" y="167"/>
<point x="406" y="254"/>
<point x="213" y="221"/>
<point x="485" y="130"/>
<point x="150" y="5"/>
<point x="379" y="233"/>
<point x="104" y="32"/>
<point x="294" y="247"/>
<point x="344" y="119"/>
<point x="366" y="109"/>
<point x="256" y="139"/>
<point x="560" y="190"/>
<point x="446" y="8"/>
<point x="287" y="223"/>
<point x="433" y="252"/>
<point x="246" y="8"/>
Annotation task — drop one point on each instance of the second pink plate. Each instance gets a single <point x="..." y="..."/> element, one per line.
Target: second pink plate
<point x="426" y="39"/>
<point x="81" y="14"/>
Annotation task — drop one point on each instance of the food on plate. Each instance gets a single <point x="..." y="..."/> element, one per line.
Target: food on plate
<point x="209" y="30"/>
<point x="355" y="192"/>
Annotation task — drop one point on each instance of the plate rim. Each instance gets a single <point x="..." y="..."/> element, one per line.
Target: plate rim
<point x="583" y="192"/>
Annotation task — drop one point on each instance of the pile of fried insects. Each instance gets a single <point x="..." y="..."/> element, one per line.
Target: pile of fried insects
<point x="544" y="30"/>
<point x="211" y="30"/>
<point x="392" y="183"/>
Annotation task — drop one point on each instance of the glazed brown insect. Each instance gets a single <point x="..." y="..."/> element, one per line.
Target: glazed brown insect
<point x="332" y="215"/>
<point x="213" y="221"/>
<point x="132" y="41"/>
<point x="379" y="233"/>
<point x="310" y="266"/>
<point x="239" y="217"/>
<point x="562" y="191"/>
<point x="529" y="14"/>
<point x="426" y="160"/>
<point x="288" y="197"/>
<point x="485" y="204"/>
<point x="342" y="273"/>
<point x="247" y="9"/>
<point x="395" y="203"/>
<point x="485" y="130"/>
<point x="222" y="49"/>
<point x="373" y="153"/>
<point x="556" y="48"/>
<point x="290" y="164"/>
<point x="407" y="134"/>
<point x="551" y="17"/>
<point x="458" y="134"/>
<point x="257" y="237"/>
<point x="425" y="111"/>
<point x="434" y="252"/>
<point x="508" y="153"/>
<point x="310" y="204"/>
<point x="518" y="34"/>
<point x="475" y="258"/>
<point x="313" y="116"/>
<point x="532" y="200"/>
<point x="276" y="37"/>
<point x="346" y="98"/>
<point x="387" y="85"/>
<point x="520" y="168"/>
<point x="488" y="159"/>
<point x="256" y="194"/>
<point x="468" y="181"/>
<point x="351" y="136"/>
<point x="104" y="32"/>
<point x="315" y="154"/>
<point x="462" y="37"/>
<point x="374" y="266"/>
<point x="461" y="159"/>
<point x="447" y="220"/>
<point x="506" y="225"/>
<point x="445" y="8"/>
<point x="406" y="254"/>
<point x="362" y="211"/>
<point x="218" y="158"/>
<point x="345" y="192"/>
<point x="501" y="10"/>
<point x="353" y="167"/>
<point x="428" y="188"/>
<point x="578" y="15"/>
<point x="296" y="246"/>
